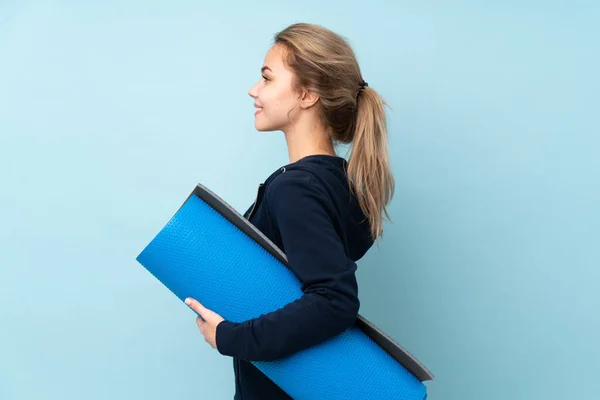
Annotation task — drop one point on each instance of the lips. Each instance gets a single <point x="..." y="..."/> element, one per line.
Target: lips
<point x="259" y="109"/>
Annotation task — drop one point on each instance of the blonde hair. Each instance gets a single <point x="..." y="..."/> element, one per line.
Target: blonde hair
<point x="323" y="62"/>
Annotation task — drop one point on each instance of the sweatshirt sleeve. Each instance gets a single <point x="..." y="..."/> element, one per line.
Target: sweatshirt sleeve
<point x="300" y="210"/>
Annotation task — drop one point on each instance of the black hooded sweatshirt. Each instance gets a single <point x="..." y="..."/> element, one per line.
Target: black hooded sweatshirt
<point x="307" y="210"/>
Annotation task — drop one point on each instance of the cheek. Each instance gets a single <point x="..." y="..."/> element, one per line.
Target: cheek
<point x="275" y="115"/>
<point x="277" y="104"/>
<point x="277" y="107"/>
<point x="272" y="106"/>
<point x="269" y="99"/>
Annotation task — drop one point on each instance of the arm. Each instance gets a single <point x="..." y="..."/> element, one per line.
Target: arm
<point x="329" y="305"/>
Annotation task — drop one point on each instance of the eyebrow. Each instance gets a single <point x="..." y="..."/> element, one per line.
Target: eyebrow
<point x="265" y="68"/>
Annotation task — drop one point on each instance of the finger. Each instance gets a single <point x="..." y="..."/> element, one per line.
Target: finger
<point x="196" y="306"/>
<point x="201" y="324"/>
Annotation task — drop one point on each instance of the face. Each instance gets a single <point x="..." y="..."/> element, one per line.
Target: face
<point x="273" y="95"/>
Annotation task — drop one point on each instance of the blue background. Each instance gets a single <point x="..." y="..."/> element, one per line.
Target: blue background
<point x="111" y="113"/>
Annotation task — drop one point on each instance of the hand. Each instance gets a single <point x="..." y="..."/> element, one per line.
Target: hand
<point x="208" y="327"/>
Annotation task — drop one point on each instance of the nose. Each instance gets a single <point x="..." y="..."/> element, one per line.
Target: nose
<point x="253" y="92"/>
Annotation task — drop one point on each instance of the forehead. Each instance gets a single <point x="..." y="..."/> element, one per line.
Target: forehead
<point x="274" y="58"/>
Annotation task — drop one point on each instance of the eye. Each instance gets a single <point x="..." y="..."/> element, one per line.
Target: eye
<point x="265" y="78"/>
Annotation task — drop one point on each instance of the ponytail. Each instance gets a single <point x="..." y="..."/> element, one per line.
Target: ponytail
<point x="368" y="166"/>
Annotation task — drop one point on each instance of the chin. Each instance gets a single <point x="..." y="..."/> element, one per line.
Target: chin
<point x="264" y="128"/>
<point x="266" y="125"/>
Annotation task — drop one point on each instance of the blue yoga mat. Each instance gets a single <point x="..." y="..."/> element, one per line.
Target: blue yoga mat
<point x="209" y="252"/>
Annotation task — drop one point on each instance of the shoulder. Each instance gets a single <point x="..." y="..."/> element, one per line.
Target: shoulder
<point x="292" y="183"/>
<point x="291" y="177"/>
<point x="296" y="191"/>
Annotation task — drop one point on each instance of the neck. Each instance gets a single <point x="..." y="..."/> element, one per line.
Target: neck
<point x="307" y="138"/>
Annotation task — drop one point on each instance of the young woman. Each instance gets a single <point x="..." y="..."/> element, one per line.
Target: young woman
<point x="322" y="211"/>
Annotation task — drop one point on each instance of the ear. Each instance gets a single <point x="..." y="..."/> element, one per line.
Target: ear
<point x="308" y="98"/>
